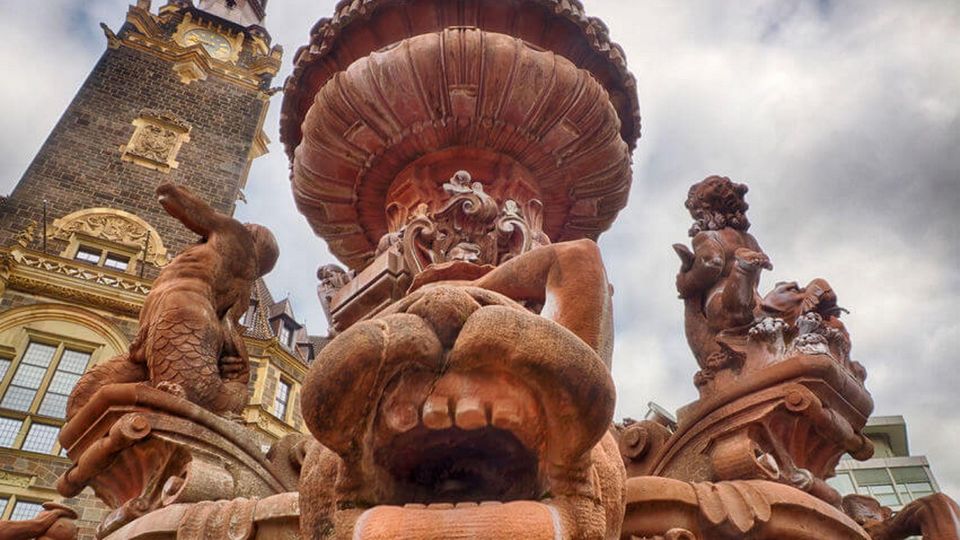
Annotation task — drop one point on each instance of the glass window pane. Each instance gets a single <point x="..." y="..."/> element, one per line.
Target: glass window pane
<point x="280" y="404"/>
<point x="884" y="489"/>
<point x="63" y="383"/>
<point x="4" y="366"/>
<point x="39" y="354"/>
<point x="18" y="399"/>
<point x="871" y="477"/>
<point x="3" y="505"/>
<point x="41" y="438"/>
<point x="74" y="361"/>
<point x="88" y="255"/>
<point x="116" y="262"/>
<point x="54" y="405"/>
<point x="904" y="494"/>
<point x="842" y="483"/>
<point x="904" y="475"/>
<point x="9" y="428"/>
<point x="29" y="376"/>
<point x="68" y="373"/>
<point x="920" y="489"/>
<point x="25" y="510"/>
<point x="890" y="499"/>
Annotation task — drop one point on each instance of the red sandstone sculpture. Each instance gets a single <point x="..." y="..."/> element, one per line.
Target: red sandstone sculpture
<point x="458" y="396"/>
<point x="190" y="340"/>
<point x="934" y="516"/>
<point x="718" y="279"/>
<point x="440" y="147"/>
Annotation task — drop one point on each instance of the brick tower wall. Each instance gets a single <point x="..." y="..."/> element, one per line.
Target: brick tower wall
<point x="79" y="166"/>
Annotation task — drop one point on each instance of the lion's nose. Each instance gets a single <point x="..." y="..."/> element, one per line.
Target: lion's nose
<point x="445" y="309"/>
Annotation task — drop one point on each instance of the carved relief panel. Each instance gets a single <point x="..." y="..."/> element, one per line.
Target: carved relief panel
<point x="115" y="226"/>
<point x="156" y="140"/>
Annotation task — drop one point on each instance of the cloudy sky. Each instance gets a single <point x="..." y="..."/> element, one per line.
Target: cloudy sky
<point x="843" y="118"/>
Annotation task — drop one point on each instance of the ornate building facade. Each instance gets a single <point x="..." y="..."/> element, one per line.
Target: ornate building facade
<point x="180" y="94"/>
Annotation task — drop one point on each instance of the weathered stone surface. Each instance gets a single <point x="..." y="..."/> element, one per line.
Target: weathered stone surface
<point x="141" y="449"/>
<point x="270" y="518"/>
<point x="675" y="510"/>
<point x="458" y="395"/>
<point x="190" y="340"/>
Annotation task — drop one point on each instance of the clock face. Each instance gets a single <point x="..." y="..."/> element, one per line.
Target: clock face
<point x="215" y="44"/>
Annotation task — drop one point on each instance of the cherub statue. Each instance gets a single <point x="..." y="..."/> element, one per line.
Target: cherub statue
<point x="718" y="279"/>
<point x="190" y="340"/>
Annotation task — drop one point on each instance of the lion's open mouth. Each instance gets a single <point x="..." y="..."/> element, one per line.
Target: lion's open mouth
<point x="454" y="465"/>
<point x="473" y="439"/>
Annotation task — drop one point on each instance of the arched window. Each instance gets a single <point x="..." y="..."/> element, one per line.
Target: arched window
<point x="44" y="349"/>
<point x="109" y="238"/>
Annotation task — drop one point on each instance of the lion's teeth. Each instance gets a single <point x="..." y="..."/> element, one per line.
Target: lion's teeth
<point x="506" y="414"/>
<point x="436" y="413"/>
<point x="470" y="414"/>
<point x="402" y="417"/>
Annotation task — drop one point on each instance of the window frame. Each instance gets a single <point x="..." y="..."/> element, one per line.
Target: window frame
<point x="282" y="381"/>
<point x="87" y="250"/>
<point x="78" y="241"/>
<point x="116" y="257"/>
<point x="285" y="327"/>
<point x="13" y="500"/>
<point x="32" y="415"/>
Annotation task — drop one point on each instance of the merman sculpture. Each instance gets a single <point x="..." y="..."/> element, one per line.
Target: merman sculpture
<point x="190" y="341"/>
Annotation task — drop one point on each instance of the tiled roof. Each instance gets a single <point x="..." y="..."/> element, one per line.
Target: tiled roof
<point x="265" y="309"/>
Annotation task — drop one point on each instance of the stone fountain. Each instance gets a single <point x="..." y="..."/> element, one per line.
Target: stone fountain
<point x="460" y="158"/>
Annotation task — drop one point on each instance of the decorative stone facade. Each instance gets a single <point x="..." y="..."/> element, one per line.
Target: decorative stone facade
<point x="132" y="125"/>
<point x="156" y="140"/>
<point x="133" y="111"/>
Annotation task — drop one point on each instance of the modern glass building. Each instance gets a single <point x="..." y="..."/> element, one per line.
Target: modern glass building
<point x="892" y="476"/>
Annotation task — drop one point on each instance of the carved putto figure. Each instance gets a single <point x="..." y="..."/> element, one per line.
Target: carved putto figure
<point x="718" y="279"/>
<point x="190" y="341"/>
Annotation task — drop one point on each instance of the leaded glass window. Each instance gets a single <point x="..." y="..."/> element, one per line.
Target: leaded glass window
<point x="280" y="403"/>
<point x="41" y="439"/>
<point x="23" y="510"/>
<point x="26" y="381"/>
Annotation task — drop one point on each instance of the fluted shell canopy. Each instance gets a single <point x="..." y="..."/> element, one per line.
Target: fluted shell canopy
<point x="461" y="88"/>
<point x="359" y="27"/>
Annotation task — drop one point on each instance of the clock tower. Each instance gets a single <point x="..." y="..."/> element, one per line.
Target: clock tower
<point x="180" y="94"/>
